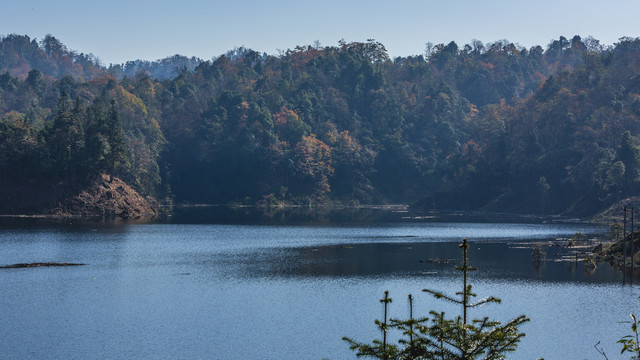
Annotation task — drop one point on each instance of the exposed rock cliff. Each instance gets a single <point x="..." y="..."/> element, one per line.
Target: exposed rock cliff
<point x="110" y="199"/>
<point x="101" y="198"/>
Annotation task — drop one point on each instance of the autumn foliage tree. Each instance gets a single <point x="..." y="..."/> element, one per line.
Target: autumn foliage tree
<point x="313" y="164"/>
<point x="492" y="126"/>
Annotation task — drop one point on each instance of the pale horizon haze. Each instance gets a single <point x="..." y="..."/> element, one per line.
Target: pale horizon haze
<point x="118" y="31"/>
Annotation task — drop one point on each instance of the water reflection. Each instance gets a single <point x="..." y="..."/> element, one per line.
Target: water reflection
<point x="338" y="216"/>
<point x="176" y="290"/>
<point x="494" y="260"/>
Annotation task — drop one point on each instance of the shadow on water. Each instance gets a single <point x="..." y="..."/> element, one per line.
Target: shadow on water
<point x="282" y="216"/>
<point x="503" y="261"/>
<point x="374" y="253"/>
<point x="292" y="215"/>
<point x="338" y="216"/>
<point x="349" y="242"/>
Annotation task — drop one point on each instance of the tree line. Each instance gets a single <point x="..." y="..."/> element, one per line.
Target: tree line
<point x="492" y="126"/>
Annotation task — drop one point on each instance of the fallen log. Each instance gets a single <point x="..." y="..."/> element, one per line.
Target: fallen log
<point x="38" y="264"/>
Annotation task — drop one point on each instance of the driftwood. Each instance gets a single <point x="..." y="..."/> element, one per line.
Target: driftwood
<point x="38" y="264"/>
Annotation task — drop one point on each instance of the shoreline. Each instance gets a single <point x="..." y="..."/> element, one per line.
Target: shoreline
<point x="413" y="213"/>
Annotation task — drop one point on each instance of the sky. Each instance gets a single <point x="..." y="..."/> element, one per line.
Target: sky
<point x="117" y="31"/>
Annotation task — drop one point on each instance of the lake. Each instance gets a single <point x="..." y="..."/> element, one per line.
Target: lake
<point x="214" y="283"/>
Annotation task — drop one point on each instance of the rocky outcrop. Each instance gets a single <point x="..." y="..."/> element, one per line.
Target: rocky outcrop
<point x="108" y="198"/>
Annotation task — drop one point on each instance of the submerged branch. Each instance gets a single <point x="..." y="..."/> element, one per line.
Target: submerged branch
<point x="38" y="264"/>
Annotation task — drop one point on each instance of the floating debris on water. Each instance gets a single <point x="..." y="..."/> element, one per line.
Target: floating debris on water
<point x="38" y="264"/>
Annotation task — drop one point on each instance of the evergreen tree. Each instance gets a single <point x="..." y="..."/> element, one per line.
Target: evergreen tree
<point x="629" y="154"/>
<point x="66" y="137"/>
<point x="447" y="339"/>
<point x="97" y="142"/>
<point x="35" y="81"/>
<point x="115" y="136"/>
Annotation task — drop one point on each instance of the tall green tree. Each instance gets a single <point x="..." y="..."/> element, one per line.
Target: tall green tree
<point x="66" y="137"/>
<point x="97" y="142"/>
<point x="629" y="154"/>
<point x="116" y="157"/>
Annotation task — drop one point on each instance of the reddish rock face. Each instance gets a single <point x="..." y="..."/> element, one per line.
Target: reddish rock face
<point x="111" y="199"/>
<point x="104" y="198"/>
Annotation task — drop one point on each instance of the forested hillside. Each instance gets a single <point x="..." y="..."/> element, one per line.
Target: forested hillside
<point x="491" y="126"/>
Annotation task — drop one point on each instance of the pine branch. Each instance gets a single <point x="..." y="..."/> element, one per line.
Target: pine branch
<point x="439" y="295"/>
<point x="490" y="299"/>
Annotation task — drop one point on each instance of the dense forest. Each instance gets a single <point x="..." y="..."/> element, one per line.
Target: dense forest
<point x="483" y="126"/>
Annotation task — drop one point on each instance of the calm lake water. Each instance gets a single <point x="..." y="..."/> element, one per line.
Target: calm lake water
<point x="213" y="284"/>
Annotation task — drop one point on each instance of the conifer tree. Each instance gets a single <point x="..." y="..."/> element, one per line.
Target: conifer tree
<point x="116" y="139"/>
<point x="97" y="142"/>
<point x="447" y="339"/>
<point x="379" y="349"/>
<point x="66" y="140"/>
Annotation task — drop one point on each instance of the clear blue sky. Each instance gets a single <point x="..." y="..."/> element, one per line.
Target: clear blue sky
<point x="117" y="30"/>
